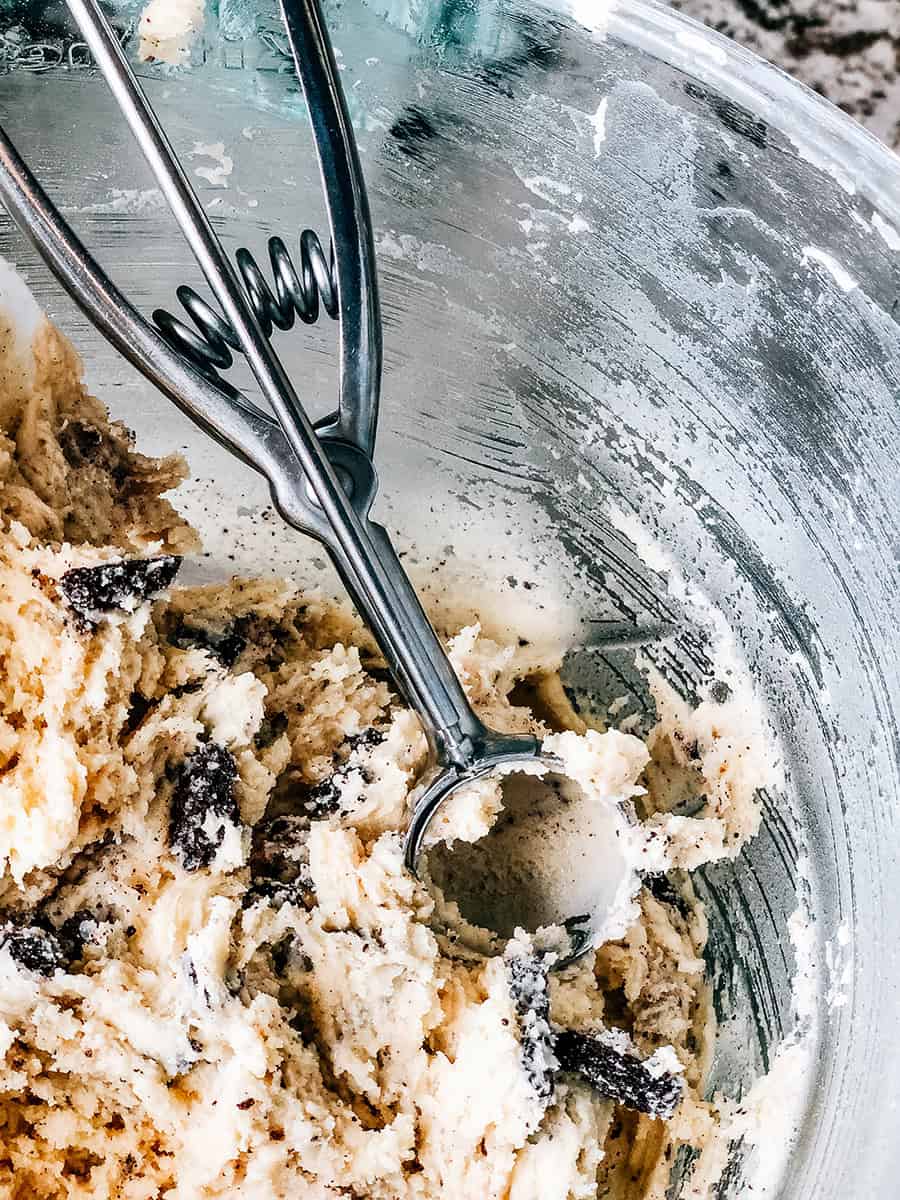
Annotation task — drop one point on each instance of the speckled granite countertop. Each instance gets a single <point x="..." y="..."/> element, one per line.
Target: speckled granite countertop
<point x="849" y="50"/>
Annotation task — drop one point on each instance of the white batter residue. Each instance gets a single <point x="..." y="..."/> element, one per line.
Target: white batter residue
<point x="168" y="28"/>
<point x="839" y="274"/>
<point x="217" y="175"/>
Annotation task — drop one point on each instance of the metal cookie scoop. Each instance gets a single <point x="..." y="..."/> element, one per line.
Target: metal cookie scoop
<point x="330" y="497"/>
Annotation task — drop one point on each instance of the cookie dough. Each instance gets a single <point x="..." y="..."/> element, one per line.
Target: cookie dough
<point x="167" y="30"/>
<point x="216" y="977"/>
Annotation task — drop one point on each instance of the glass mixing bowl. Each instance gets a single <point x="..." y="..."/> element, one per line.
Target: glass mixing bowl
<point x="624" y="265"/>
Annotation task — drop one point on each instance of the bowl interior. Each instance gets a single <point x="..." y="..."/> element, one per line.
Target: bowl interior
<point x="612" y="292"/>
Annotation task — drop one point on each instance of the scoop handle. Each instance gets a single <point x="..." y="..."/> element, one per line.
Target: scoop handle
<point x="414" y="654"/>
<point x="331" y="498"/>
<point x="347" y="203"/>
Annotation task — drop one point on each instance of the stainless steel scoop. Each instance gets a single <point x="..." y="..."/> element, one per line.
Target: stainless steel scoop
<point x="330" y="497"/>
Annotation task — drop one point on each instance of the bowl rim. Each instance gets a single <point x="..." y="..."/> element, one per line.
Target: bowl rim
<point x="820" y="132"/>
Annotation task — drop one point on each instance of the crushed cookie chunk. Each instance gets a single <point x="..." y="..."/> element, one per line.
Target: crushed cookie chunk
<point x="527" y="975"/>
<point x="719" y="691"/>
<point x="282" y="953"/>
<point x="300" y="892"/>
<point x="34" y="948"/>
<point x="617" y="1072"/>
<point x="279" y="863"/>
<point x="228" y="642"/>
<point x="203" y="804"/>
<point x="92" y="591"/>
<point x="38" y="945"/>
<point x="80" y="442"/>
<point x="661" y="888"/>
<point x="278" y="845"/>
<point x="76" y="932"/>
<point x="139" y="707"/>
<point x="323" y="799"/>
<point x="270" y="730"/>
<point x="227" y="645"/>
<point x="366" y="739"/>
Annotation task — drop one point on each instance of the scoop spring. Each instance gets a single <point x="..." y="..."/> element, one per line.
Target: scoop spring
<point x="297" y="293"/>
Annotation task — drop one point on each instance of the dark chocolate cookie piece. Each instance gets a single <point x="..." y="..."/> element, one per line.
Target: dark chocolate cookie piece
<point x="80" y="442"/>
<point x="76" y="932"/>
<point x="300" y="892"/>
<point x="272" y="727"/>
<point x="661" y="888"/>
<point x="34" y="948"/>
<point x="203" y="804"/>
<point x="618" y="1074"/>
<point x="279" y="862"/>
<point x="366" y="739"/>
<point x="38" y="944"/>
<point x="261" y="635"/>
<point x="323" y="799"/>
<point x="92" y="591"/>
<point x="528" y="987"/>
<point x="227" y="644"/>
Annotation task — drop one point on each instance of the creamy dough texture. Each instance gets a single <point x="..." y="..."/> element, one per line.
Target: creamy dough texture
<point x="216" y="977"/>
<point x="167" y="29"/>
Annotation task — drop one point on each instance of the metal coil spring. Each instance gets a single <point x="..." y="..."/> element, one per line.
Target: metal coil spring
<point x="297" y="294"/>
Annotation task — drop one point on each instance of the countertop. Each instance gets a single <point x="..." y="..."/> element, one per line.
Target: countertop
<point x="849" y="50"/>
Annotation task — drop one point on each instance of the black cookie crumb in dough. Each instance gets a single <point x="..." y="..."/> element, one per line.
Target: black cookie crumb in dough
<point x="138" y="708"/>
<point x="282" y="952"/>
<point x="527" y="974"/>
<point x="203" y="803"/>
<point x="80" y="442"/>
<point x="89" y="591"/>
<point x="621" y="1076"/>
<point x="279" y="845"/>
<point x="40" y="947"/>
<point x="75" y="933"/>
<point x="324" y="798"/>
<point x="365" y="739"/>
<point x="662" y="889"/>
<point x="279" y="863"/>
<point x="300" y="892"/>
<point x="34" y="948"/>
<point x="227" y="645"/>
<point x="270" y="730"/>
<point x="228" y="642"/>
